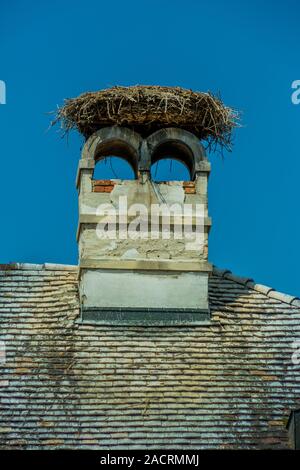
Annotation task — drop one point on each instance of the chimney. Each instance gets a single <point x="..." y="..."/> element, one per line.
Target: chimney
<point x="136" y="264"/>
<point x="143" y="245"/>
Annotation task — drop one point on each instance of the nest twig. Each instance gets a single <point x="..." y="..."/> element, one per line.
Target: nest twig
<point x="149" y="108"/>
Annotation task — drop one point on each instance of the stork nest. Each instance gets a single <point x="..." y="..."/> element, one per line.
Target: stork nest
<point x="149" y="108"/>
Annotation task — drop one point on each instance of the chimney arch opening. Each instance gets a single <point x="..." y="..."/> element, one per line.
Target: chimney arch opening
<point x="172" y="161"/>
<point x="169" y="169"/>
<point x="115" y="159"/>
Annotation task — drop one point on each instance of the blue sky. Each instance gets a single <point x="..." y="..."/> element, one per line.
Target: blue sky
<point x="248" y="51"/>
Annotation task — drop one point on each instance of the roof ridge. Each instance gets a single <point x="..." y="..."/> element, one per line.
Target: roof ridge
<point x="223" y="273"/>
<point x="38" y="267"/>
<point x="251" y="284"/>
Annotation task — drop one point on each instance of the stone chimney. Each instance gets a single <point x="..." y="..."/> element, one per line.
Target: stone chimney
<point x="139" y="263"/>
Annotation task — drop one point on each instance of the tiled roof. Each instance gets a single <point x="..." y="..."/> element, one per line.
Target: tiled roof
<point x="65" y="384"/>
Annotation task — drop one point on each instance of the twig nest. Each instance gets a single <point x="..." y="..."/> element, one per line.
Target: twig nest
<point x="149" y="108"/>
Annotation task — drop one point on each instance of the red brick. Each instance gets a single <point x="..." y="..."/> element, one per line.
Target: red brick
<point x="189" y="190"/>
<point x="103" y="189"/>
